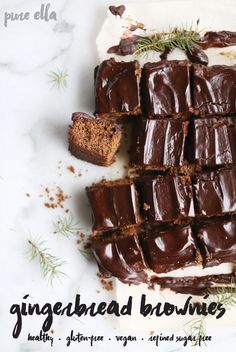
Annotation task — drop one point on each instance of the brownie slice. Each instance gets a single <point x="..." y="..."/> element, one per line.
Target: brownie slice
<point x="117" y="89"/>
<point x="214" y="90"/>
<point x="212" y="142"/>
<point x="166" y="198"/>
<point x="166" y="89"/>
<point x="158" y="144"/>
<point x="218" y="242"/>
<point x="114" y="204"/>
<point x="122" y="257"/>
<point x="94" y="140"/>
<point x="215" y="192"/>
<point x="170" y="249"/>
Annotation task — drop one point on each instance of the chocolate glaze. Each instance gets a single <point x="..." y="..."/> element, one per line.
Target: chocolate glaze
<point x="158" y="144"/>
<point x="197" y="56"/>
<point x="126" y="46"/>
<point x="113" y="205"/>
<point x="117" y="10"/>
<point x="165" y="53"/>
<point x="195" y="285"/>
<point x="218" y="39"/>
<point x="170" y="249"/>
<point x="218" y="242"/>
<point x="166" y="89"/>
<point x="212" y="142"/>
<point x="215" y="192"/>
<point x="117" y="89"/>
<point x="121" y="257"/>
<point x="214" y="90"/>
<point x="166" y="198"/>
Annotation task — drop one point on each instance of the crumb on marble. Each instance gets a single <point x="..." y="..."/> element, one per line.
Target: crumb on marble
<point x="71" y="169"/>
<point x="107" y="284"/>
<point x="27" y="194"/>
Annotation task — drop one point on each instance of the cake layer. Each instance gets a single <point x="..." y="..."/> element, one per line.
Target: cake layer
<point x="166" y="198"/>
<point x="166" y="88"/>
<point x="170" y="249"/>
<point x="212" y="142"/>
<point x="114" y="204"/>
<point x="215" y="192"/>
<point x="117" y="89"/>
<point x="158" y="144"/>
<point x="94" y="140"/>
<point x="214" y="90"/>
<point x="217" y="241"/>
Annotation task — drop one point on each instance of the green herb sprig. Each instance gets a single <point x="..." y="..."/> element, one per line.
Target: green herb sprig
<point x="59" y="79"/>
<point x="49" y="264"/>
<point x="181" y="38"/>
<point x="66" y="226"/>
<point x="225" y="296"/>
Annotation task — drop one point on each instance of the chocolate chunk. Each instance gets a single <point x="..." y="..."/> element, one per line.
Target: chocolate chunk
<point x="94" y="140"/>
<point x="117" y="89"/>
<point x="126" y="46"/>
<point x="169" y="198"/>
<point x="215" y="193"/>
<point x="166" y="89"/>
<point x="214" y="90"/>
<point x="158" y="144"/>
<point x="195" y="285"/>
<point x="121" y="257"/>
<point x="218" y="242"/>
<point x="213" y="142"/>
<point x="117" y="10"/>
<point x="197" y="56"/>
<point x="114" y="204"/>
<point x="219" y="39"/>
<point x="170" y="249"/>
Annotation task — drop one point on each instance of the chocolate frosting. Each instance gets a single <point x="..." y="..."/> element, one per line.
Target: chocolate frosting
<point x="218" y="242"/>
<point x="195" y="285"/>
<point x="157" y="144"/>
<point x="218" y="39"/>
<point x="215" y="192"/>
<point x="214" y="90"/>
<point x="166" y="198"/>
<point x="166" y="88"/>
<point x="170" y="249"/>
<point x="213" y="142"/>
<point x="113" y="205"/>
<point x="121" y="257"/>
<point x="117" y="88"/>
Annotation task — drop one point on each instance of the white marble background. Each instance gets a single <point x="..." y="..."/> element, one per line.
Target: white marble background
<point x="33" y="139"/>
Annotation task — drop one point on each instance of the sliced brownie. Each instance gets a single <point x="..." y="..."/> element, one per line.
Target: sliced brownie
<point x="166" y="88"/>
<point x="117" y="89"/>
<point x="114" y="204"/>
<point x="94" y="140"/>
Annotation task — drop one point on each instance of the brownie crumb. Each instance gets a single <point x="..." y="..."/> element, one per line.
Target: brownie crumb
<point x="27" y="195"/>
<point x="71" y="169"/>
<point x="107" y="285"/>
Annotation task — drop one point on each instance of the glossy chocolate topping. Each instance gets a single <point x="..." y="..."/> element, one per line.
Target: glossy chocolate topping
<point x="121" y="257"/>
<point x="195" y="285"/>
<point x="218" y="242"/>
<point x="166" y="88"/>
<point x="213" y="142"/>
<point x="113" y="205"/>
<point x="214" y="90"/>
<point x="117" y="10"/>
<point x="166" y="198"/>
<point x="117" y="88"/>
<point x="215" y="192"/>
<point x="218" y="39"/>
<point x="197" y="56"/>
<point x="157" y="144"/>
<point x="170" y="249"/>
<point x="126" y="46"/>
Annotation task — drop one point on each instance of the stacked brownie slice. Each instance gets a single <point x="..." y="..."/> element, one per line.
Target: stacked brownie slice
<point x="176" y="215"/>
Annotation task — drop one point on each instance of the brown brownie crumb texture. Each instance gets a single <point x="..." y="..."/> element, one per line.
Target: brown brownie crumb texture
<point x="94" y="140"/>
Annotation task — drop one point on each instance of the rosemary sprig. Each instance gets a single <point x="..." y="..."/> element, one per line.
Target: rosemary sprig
<point x="181" y="38"/>
<point x="59" y="79"/>
<point x="49" y="264"/>
<point x="66" y="226"/>
<point x="225" y="296"/>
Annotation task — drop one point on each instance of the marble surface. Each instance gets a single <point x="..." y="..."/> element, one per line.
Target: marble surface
<point x="33" y="156"/>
